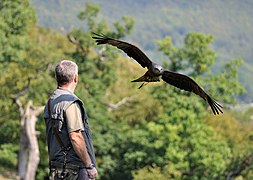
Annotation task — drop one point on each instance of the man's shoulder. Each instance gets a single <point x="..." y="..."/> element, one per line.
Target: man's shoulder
<point x="74" y="105"/>
<point x="63" y="96"/>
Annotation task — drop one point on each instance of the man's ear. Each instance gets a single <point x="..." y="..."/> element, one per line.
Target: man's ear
<point x="75" y="78"/>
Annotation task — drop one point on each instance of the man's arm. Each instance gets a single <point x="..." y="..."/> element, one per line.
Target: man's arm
<point x="75" y="128"/>
<point x="79" y="146"/>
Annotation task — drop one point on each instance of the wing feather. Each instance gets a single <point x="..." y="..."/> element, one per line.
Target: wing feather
<point x="186" y="83"/>
<point x="131" y="50"/>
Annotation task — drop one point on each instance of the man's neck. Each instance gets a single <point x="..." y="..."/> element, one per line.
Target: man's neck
<point x="67" y="87"/>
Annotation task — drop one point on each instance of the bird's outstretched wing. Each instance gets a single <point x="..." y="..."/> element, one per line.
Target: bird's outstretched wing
<point x="129" y="49"/>
<point x="186" y="83"/>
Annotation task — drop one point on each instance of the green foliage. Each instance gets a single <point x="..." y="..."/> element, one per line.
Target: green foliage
<point x="125" y="27"/>
<point x="89" y="13"/>
<point x="15" y="18"/>
<point x="178" y="142"/>
<point x="8" y="155"/>
<point x="226" y="84"/>
<point x="149" y="173"/>
<point x="238" y="135"/>
<point x="195" y="57"/>
<point x="9" y="130"/>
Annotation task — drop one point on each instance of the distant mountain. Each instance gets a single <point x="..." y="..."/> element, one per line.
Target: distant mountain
<point x="229" y="21"/>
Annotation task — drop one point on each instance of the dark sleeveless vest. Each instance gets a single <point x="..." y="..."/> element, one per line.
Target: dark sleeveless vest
<point x="60" y="100"/>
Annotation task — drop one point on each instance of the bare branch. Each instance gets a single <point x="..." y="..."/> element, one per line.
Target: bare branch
<point x="37" y="110"/>
<point x="100" y="53"/>
<point x="115" y="106"/>
<point x="18" y="102"/>
<point x="20" y="108"/>
<point x="75" y="41"/>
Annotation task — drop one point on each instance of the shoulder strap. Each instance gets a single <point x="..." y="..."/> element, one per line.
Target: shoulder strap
<point x="54" y="129"/>
<point x="64" y="149"/>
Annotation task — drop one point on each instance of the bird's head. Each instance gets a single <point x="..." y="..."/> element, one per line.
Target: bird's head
<point x="157" y="69"/>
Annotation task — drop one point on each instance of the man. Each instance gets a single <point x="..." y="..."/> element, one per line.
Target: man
<point x="70" y="148"/>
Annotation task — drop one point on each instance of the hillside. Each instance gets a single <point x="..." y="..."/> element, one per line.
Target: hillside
<point x="229" y="21"/>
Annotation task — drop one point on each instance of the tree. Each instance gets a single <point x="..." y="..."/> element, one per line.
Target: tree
<point x="16" y="17"/>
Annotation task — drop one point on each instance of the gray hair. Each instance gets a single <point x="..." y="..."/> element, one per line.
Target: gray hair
<point x="65" y="71"/>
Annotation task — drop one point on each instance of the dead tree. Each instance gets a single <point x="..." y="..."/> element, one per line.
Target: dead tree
<point x="28" y="148"/>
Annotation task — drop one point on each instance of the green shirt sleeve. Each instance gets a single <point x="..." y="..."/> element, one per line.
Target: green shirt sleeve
<point x="74" y="118"/>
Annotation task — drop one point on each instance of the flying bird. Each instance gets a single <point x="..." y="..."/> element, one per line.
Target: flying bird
<point x="155" y="71"/>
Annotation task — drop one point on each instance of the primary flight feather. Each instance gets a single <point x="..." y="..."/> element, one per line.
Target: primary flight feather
<point x="156" y="71"/>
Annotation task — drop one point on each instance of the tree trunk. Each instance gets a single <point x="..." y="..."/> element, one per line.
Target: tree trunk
<point x="28" y="149"/>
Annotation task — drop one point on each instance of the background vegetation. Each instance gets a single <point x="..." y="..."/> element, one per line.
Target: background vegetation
<point x="159" y="131"/>
<point x="229" y="21"/>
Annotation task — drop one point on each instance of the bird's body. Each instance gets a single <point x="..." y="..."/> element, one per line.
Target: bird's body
<point x="152" y="75"/>
<point x="155" y="71"/>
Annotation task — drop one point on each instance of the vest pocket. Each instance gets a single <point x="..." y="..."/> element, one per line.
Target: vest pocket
<point x="58" y="124"/>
